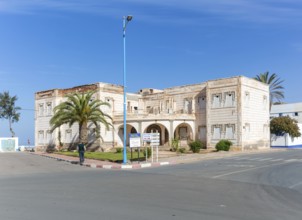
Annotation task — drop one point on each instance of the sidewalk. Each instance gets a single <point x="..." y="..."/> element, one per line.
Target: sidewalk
<point x="165" y="158"/>
<point x="102" y="164"/>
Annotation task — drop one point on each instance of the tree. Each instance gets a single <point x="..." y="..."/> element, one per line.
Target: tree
<point x="82" y="109"/>
<point x="8" y="110"/>
<point x="284" y="124"/>
<point x="275" y="86"/>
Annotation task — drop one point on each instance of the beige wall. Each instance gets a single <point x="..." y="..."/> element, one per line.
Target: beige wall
<point x="191" y="106"/>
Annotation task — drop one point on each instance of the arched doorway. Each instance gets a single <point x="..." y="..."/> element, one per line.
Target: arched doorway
<point x="184" y="134"/>
<point x="163" y="132"/>
<point x="130" y="129"/>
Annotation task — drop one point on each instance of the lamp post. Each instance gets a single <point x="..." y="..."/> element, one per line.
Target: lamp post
<point x="126" y="20"/>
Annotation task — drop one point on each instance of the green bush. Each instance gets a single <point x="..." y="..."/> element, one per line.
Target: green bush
<point x="195" y="146"/>
<point x="149" y="152"/>
<point x="175" y="144"/>
<point x="223" y="145"/>
<point x="118" y="150"/>
<point x="182" y="150"/>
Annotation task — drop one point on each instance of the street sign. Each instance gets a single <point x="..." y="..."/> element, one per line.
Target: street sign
<point x="135" y="140"/>
<point x="147" y="137"/>
<point x="154" y="139"/>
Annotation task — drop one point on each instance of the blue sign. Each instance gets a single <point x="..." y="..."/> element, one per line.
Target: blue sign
<point x="135" y="135"/>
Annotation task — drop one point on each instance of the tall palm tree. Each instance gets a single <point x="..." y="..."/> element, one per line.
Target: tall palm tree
<point x="8" y="110"/>
<point x="80" y="108"/>
<point x="275" y="86"/>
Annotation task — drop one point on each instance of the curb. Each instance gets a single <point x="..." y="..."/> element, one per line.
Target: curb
<point x="109" y="166"/>
<point x="130" y="166"/>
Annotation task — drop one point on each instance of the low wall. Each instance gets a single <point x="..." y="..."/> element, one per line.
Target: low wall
<point x="286" y="141"/>
<point x="9" y="144"/>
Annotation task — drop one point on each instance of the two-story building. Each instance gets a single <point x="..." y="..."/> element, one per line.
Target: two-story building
<point x="235" y="108"/>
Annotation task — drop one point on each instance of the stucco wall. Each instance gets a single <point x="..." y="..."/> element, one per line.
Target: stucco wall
<point x="173" y="109"/>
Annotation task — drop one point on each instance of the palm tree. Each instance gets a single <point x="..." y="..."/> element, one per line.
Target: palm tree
<point x="275" y="87"/>
<point x="8" y="110"/>
<point x="80" y="108"/>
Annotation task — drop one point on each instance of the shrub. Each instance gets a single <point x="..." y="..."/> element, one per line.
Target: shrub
<point x="223" y="145"/>
<point x="182" y="150"/>
<point x="119" y="150"/>
<point x="175" y="144"/>
<point x="149" y="152"/>
<point x="195" y="146"/>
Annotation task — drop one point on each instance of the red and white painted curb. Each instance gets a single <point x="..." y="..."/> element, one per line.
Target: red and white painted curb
<point x="110" y="166"/>
<point x="127" y="166"/>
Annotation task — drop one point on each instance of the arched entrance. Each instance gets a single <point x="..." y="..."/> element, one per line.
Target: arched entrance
<point x="130" y="129"/>
<point x="184" y="133"/>
<point x="163" y="132"/>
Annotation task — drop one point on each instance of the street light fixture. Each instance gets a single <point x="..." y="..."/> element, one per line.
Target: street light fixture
<point x="126" y="20"/>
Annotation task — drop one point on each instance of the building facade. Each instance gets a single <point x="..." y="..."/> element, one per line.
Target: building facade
<point x="293" y="110"/>
<point x="234" y="108"/>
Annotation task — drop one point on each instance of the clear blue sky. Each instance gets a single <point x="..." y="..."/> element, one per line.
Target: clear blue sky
<point x="46" y="44"/>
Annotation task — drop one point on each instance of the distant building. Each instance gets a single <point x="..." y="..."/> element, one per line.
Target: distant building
<point x="293" y="110"/>
<point x="234" y="108"/>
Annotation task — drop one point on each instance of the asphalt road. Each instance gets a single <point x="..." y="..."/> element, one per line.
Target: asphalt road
<point x="245" y="187"/>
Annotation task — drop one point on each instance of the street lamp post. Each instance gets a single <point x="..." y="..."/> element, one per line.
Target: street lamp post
<point x="126" y="20"/>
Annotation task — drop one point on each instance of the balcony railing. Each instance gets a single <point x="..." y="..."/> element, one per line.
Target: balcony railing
<point x="154" y="115"/>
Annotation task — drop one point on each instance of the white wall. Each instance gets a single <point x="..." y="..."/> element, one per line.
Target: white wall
<point x="286" y="141"/>
<point x="8" y="144"/>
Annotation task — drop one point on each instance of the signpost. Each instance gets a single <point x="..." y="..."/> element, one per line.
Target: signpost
<point x="135" y="141"/>
<point x="153" y="139"/>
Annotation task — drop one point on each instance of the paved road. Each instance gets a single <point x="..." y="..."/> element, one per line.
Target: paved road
<point x="245" y="187"/>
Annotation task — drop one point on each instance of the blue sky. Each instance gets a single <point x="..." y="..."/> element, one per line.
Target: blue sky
<point x="46" y="44"/>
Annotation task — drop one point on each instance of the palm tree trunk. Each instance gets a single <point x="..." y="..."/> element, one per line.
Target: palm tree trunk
<point x="10" y="127"/>
<point x="83" y="134"/>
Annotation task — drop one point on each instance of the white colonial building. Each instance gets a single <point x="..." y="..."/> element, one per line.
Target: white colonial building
<point x="293" y="110"/>
<point x="234" y="108"/>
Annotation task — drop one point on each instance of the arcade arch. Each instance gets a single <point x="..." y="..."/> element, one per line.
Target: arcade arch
<point x="162" y="130"/>
<point x="130" y="129"/>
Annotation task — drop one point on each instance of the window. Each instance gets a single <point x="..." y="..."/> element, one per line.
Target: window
<point x="110" y="100"/>
<point x="135" y="109"/>
<point x="230" y="131"/>
<point x="167" y="104"/>
<point x="202" y="133"/>
<point x="41" y="109"/>
<point x="246" y="99"/>
<point x="129" y="107"/>
<point x="68" y="136"/>
<point x="216" y="100"/>
<point x="49" y="108"/>
<point x="92" y="99"/>
<point x="48" y="136"/>
<point x="188" y="106"/>
<point x="246" y="130"/>
<point x="216" y="131"/>
<point x="183" y="133"/>
<point x="202" y="102"/>
<point x="41" y="137"/>
<point x="149" y="109"/>
<point x="265" y="102"/>
<point x="229" y="99"/>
